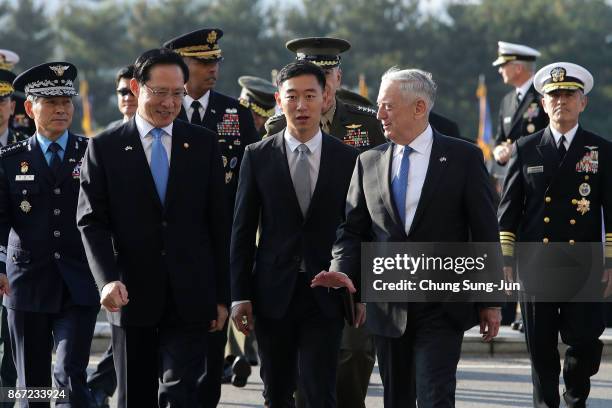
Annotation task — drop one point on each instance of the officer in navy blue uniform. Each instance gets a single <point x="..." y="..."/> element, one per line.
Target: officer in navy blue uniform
<point x="557" y="192"/>
<point x="50" y="293"/>
<point x="235" y="128"/>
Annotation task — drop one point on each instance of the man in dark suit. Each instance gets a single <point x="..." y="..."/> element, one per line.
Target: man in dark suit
<point x="235" y="129"/>
<point x="556" y="190"/>
<point x="153" y="220"/>
<point x="297" y="180"/>
<point x="50" y="292"/>
<point x="391" y="199"/>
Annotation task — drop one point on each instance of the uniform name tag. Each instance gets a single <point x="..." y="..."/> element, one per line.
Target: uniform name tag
<point x="535" y="169"/>
<point x="24" y="177"/>
<point x="508" y="119"/>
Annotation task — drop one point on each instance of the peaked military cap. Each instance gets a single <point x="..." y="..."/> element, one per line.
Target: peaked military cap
<point x="201" y="44"/>
<point x="562" y="75"/>
<point x="8" y="59"/>
<point x="507" y="52"/>
<point x="322" y="51"/>
<point x="6" y="83"/>
<point x="258" y="95"/>
<point x="48" y="79"/>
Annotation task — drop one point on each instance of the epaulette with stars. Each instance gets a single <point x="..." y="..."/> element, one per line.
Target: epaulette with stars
<point x="14" y="148"/>
<point x="363" y="110"/>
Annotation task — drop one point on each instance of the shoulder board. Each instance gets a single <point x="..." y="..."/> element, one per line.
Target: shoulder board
<point x="15" y="148"/>
<point x="363" y="110"/>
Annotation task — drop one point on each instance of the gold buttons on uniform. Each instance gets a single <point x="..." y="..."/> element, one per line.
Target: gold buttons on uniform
<point x="545" y="240"/>
<point x="574" y="201"/>
<point x="586" y="177"/>
<point x="546" y="220"/>
<point x="572" y="221"/>
<point x="548" y="199"/>
<point x="572" y="242"/>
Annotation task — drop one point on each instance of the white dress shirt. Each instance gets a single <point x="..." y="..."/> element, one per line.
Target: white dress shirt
<point x="146" y="138"/>
<point x="314" y="157"/>
<point x="419" y="162"/>
<point x="522" y="90"/>
<point x="569" y="136"/>
<point x="187" y="100"/>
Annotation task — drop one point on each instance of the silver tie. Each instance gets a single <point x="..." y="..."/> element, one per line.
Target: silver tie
<point x="301" y="178"/>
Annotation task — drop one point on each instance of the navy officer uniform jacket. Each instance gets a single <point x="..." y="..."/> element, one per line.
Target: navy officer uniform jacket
<point x="234" y="126"/>
<point x="38" y="232"/>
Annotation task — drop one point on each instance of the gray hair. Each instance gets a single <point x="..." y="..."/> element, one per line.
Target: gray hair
<point x="413" y="82"/>
<point x="32" y="98"/>
<point x="528" y="65"/>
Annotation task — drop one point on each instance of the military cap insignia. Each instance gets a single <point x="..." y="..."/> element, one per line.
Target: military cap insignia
<point x="558" y="74"/>
<point x="211" y="38"/>
<point x="58" y="69"/>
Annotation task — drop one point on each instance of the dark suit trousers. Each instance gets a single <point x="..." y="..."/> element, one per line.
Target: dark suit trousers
<point x="33" y="336"/>
<point x="304" y="341"/>
<point x="580" y="325"/>
<point x="210" y="388"/>
<point x="8" y="374"/>
<point x="104" y="377"/>
<point x="161" y="365"/>
<point x="425" y="357"/>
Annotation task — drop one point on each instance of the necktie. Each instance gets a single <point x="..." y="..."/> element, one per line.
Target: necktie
<point x="56" y="161"/>
<point x="301" y="178"/>
<point x="561" y="148"/>
<point x="196" y="119"/>
<point x="399" y="185"/>
<point x="159" y="163"/>
<point x="518" y="98"/>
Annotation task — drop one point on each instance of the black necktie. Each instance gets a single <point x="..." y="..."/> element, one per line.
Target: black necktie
<point x="55" y="162"/>
<point x="561" y="148"/>
<point x="196" y="119"/>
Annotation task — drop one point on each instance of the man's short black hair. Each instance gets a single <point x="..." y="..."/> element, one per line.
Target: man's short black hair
<point x="157" y="56"/>
<point x="126" y="72"/>
<point x="299" y="68"/>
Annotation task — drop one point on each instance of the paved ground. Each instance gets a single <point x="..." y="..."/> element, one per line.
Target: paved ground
<point x="483" y="382"/>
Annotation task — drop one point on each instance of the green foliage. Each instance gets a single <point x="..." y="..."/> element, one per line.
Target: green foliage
<point x="456" y="43"/>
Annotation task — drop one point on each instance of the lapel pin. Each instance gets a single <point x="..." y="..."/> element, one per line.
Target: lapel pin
<point x="442" y="159"/>
<point x="186" y="145"/>
<point x="128" y="148"/>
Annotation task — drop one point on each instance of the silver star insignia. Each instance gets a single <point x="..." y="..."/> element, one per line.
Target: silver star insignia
<point x="128" y="148"/>
<point x="442" y="159"/>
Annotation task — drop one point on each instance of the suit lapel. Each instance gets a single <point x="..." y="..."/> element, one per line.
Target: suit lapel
<point x="383" y="172"/>
<point x="70" y="159"/>
<point x="435" y="169"/>
<point x="183" y="114"/>
<point x="339" y="120"/>
<point x="567" y="166"/>
<point x="134" y="161"/>
<point x="208" y="120"/>
<point x="325" y="172"/>
<point x="178" y="162"/>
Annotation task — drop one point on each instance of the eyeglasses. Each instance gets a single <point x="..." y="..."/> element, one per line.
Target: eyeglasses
<point x="164" y="93"/>
<point x="124" y="91"/>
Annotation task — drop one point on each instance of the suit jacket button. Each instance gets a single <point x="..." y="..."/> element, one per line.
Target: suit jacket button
<point x="546" y="220"/>
<point x="56" y="234"/>
<point x="57" y="191"/>
<point x="297" y="258"/>
<point x="548" y="199"/>
<point x="163" y="252"/>
<point x="56" y="211"/>
<point x="164" y="224"/>
<point x="545" y="240"/>
<point x="572" y="221"/>
<point x="572" y="242"/>
<point x="57" y="255"/>
<point x="574" y="201"/>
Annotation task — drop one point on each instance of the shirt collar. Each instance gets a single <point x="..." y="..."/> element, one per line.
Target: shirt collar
<point x="145" y="127"/>
<point x="313" y="144"/>
<point x="525" y="87"/>
<point x="187" y="100"/>
<point x="45" y="143"/>
<point x="569" y="135"/>
<point x="420" y="144"/>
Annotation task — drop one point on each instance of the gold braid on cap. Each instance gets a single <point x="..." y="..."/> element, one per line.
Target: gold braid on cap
<point x="5" y="88"/>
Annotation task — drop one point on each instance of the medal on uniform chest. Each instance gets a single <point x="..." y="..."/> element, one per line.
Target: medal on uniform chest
<point x="589" y="162"/>
<point x="356" y="136"/>
<point x="25" y="206"/>
<point x="224" y="161"/>
<point x="583" y="206"/>
<point x="228" y="177"/>
<point x="584" y="189"/>
<point x="233" y="162"/>
<point x="24" y="167"/>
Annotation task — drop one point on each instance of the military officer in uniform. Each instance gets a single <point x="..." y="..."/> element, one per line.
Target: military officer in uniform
<point x="520" y="112"/>
<point x="234" y="126"/>
<point x="258" y="96"/>
<point x="50" y="290"/>
<point x="20" y="122"/>
<point x="556" y="191"/>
